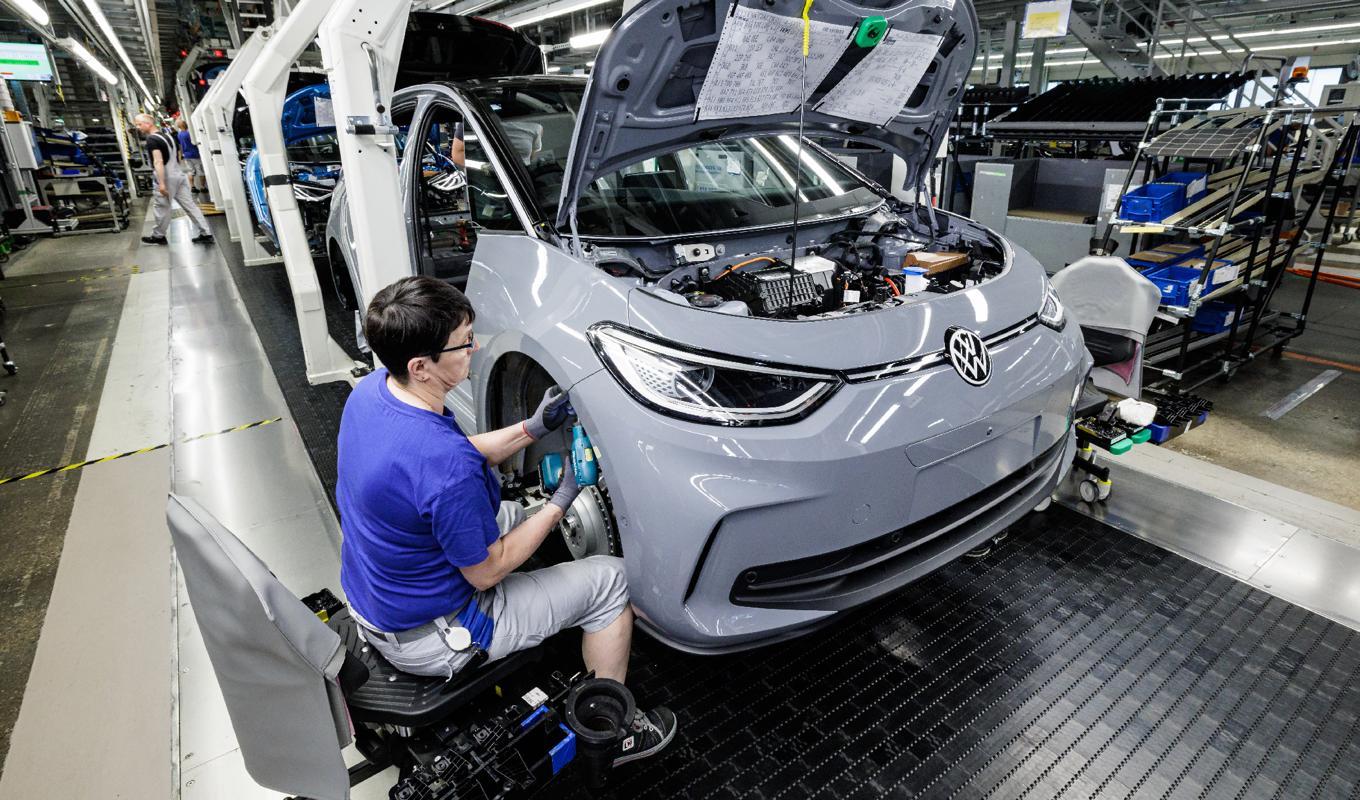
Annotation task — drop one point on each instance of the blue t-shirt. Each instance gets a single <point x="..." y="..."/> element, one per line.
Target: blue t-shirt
<point x="417" y="501"/>
<point x="187" y="148"/>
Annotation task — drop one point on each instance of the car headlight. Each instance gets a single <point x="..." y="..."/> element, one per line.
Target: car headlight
<point x="707" y="387"/>
<point x="1051" y="312"/>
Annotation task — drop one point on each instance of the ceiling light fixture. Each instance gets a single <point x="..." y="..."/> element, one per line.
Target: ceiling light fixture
<point x="588" y="40"/>
<point x="103" y="22"/>
<point x="555" y="10"/>
<point x="30" y="8"/>
<point x="78" y="50"/>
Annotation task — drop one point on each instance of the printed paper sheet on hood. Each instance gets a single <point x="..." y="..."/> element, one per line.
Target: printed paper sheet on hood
<point x="756" y="67"/>
<point x="878" y="88"/>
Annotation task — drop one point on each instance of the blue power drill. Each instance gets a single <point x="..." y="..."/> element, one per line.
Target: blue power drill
<point x="583" y="463"/>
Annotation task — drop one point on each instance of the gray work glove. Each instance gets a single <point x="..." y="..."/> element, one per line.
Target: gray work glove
<point x="566" y="490"/>
<point x="554" y="410"/>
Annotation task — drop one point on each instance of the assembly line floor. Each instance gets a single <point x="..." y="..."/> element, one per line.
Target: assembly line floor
<point x="1167" y="649"/>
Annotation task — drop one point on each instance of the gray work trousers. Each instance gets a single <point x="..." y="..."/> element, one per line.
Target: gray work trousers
<point x="177" y="185"/>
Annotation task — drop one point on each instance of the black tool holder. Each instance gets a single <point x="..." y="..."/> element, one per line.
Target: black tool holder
<point x="599" y="711"/>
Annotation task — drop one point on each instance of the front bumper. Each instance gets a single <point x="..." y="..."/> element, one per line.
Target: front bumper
<point x="736" y="537"/>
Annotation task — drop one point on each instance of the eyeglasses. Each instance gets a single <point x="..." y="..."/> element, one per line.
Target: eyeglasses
<point x="471" y="343"/>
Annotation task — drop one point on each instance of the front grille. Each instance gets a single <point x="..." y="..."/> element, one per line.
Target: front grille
<point x="845" y="578"/>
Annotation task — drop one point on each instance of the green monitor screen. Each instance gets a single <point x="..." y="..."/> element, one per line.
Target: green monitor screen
<point x="22" y="61"/>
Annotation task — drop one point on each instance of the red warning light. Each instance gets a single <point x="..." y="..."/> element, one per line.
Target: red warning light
<point x="202" y="82"/>
<point x="219" y="53"/>
<point x="183" y="53"/>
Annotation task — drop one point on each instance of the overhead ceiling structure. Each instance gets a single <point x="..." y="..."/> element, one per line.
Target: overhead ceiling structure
<point x="1181" y="35"/>
<point x="143" y="41"/>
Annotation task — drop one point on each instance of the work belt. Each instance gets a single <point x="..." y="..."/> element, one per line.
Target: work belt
<point x="413" y="634"/>
<point x="437" y="625"/>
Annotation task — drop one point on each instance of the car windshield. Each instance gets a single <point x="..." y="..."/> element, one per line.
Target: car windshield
<point x="738" y="183"/>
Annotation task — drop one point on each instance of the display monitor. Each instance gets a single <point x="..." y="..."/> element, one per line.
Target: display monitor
<point x="25" y="61"/>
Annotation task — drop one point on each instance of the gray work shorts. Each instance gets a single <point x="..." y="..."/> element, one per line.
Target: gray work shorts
<point x="527" y="607"/>
<point x="193" y="166"/>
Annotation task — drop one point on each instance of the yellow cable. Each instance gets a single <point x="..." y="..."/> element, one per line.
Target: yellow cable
<point x="807" y="28"/>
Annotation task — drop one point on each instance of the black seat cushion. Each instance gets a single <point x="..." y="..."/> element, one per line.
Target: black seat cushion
<point x="1108" y="348"/>
<point x="399" y="698"/>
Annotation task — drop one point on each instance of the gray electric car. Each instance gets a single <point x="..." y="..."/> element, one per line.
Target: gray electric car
<point x="788" y="425"/>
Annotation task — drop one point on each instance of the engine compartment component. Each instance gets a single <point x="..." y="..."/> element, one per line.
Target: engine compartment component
<point x="846" y="267"/>
<point x="770" y="291"/>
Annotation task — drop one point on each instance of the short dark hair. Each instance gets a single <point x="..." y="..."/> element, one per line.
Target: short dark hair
<point x="414" y="317"/>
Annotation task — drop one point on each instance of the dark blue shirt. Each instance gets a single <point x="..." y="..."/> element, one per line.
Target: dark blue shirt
<point x="187" y="148"/>
<point x="417" y="501"/>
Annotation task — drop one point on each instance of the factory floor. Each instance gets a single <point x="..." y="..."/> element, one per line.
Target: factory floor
<point x="1314" y="448"/>
<point x="104" y="686"/>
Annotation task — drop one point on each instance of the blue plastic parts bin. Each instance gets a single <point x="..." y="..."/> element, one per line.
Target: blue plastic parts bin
<point x="1174" y="282"/>
<point x="1214" y="317"/>
<point x="1175" y="257"/>
<point x="1160" y="433"/>
<point x="1152" y="202"/>
<point x="1186" y="179"/>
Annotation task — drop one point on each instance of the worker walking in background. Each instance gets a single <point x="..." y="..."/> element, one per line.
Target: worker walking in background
<point x="171" y="183"/>
<point x="193" y="165"/>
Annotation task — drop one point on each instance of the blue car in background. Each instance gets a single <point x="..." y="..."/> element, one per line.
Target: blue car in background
<point x="313" y="160"/>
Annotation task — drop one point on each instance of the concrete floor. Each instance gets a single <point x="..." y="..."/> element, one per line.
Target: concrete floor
<point x="1314" y="448"/>
<point x="64" y="299"/>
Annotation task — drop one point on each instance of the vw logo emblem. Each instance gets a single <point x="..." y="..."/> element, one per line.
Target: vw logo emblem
<point x="969" y="355"/>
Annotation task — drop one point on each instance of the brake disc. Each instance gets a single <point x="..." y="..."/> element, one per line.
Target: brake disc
<point x="588" y="526"/>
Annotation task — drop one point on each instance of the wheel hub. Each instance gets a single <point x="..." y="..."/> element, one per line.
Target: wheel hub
<point x="585" y="526"/>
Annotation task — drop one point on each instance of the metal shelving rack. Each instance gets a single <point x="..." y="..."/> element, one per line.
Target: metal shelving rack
<point x="1257" y="159"/>
<point x="90" y="191"/>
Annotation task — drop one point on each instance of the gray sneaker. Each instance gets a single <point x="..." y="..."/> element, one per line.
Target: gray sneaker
<point x="649" y="734"/>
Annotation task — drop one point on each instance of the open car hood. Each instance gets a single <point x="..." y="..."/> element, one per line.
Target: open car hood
<point x="445" y="47"/>
<point x="675" y="74"/>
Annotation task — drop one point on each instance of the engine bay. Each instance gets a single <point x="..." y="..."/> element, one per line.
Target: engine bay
<point x="854" y="266"/>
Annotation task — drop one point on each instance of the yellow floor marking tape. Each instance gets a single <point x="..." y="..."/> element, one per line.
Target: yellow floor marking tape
<point x="54" y="470"/>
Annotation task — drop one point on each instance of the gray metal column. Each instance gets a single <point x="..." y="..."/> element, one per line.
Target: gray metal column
<point x="1038" y="70"/>
<point x="1009" y="46"/>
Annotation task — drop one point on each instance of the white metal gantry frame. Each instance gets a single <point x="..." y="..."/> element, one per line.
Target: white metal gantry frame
<point x="360" y="47"/>
<point x="205" y="135"/>
<point x="217" y="112"/>
<point x="265" y="88"/>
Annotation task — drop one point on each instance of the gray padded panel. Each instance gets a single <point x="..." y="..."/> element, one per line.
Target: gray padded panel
<point x="273" y="657"/>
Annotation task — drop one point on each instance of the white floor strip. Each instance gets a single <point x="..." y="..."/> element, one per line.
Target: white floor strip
<point x="1305" y="511"/>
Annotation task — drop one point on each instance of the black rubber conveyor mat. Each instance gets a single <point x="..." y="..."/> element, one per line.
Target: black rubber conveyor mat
<point x="1072" y="661"/>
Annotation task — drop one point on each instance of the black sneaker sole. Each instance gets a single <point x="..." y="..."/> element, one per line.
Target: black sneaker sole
<point x="651" y="751"/>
